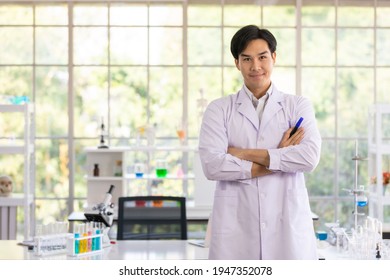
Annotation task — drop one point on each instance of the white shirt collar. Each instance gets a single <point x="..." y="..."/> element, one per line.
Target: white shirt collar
<point x="253" y="98"/>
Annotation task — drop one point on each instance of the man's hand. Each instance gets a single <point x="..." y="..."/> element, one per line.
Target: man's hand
<point x="293" y="140"/>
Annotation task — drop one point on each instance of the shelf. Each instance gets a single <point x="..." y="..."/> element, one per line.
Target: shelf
<point x="154" y="177"/>
<point x="145" y="177"/>
<point x="378" y="147"/>
<point x="12" y="149"/>
<point x="10" y="108"/>
<point x="166" y="148"/>
<point x="15" y="149"/>
<point x="110" y="150"/>
<point x="142" y="149"/>
<point x="14" y="199"/>
<point x="23" y="145"/>
<point x="107" y="158"/>
<point x="104" y="178"/>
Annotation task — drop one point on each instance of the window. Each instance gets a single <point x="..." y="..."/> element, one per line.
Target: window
<point x="132" y="64"/>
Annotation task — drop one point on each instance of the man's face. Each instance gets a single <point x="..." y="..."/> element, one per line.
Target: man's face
<point x="256" y="63"/>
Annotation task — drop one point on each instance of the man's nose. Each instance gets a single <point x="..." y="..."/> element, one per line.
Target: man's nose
<point x="256" y="65"/>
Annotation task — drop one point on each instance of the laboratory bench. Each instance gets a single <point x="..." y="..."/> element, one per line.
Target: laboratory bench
<point x="135" y="250"/>
<point x="119" y="250"/>
<point x="140" y="250"/>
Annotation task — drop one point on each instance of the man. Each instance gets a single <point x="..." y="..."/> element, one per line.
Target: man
<point x="261" y="207"/>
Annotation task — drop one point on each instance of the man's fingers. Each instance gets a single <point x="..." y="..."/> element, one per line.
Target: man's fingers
<point x="297" y="137"/>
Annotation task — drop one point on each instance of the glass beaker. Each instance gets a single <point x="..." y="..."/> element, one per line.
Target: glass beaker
<point x="361" y="199"/>
<point x="181" y="131"/>
<point x="139" y="170"/>
<point x="161" y="168"/>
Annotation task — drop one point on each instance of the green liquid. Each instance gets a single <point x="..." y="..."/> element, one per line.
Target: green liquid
<point x="161" y="172"/>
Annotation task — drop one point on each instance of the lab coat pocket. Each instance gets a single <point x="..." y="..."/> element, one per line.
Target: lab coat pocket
<point x="298" y="208"/>
<point x="224" y="211"/>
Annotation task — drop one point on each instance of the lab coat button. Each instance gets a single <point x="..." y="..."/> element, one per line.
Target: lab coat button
<point x="263" y="195"/>
<point x="263" y="225"/>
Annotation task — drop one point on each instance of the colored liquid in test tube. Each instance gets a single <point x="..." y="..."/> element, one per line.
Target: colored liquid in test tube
<point x="97" y="244"/>
<point x="93" y="246"/>
<point x="83" y="245"/>
<point x="76" y="241"/>
<point x="89" y="240"/>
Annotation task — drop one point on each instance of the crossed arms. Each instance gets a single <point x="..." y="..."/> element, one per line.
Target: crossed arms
<point x="260" y="157"/>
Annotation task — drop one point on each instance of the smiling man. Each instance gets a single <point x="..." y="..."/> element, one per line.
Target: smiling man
<point x="261" y="206"/>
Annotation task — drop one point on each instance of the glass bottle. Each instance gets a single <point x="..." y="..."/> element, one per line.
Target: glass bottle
<point x="118" y="168"/>
<point x="96" y="170"/>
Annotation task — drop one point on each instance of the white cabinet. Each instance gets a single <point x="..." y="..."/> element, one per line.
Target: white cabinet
<point x="379" y="161"/>
<point x="178" y="181"/>
<point x="24" y="147"/>
<point x="98" y="185"/>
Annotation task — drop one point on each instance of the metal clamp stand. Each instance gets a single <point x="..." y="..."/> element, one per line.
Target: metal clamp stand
<point x="356" y="191"/>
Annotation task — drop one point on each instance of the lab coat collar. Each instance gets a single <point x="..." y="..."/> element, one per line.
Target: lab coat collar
<point x="245" y="107"/>
<point x="274" y="104"/>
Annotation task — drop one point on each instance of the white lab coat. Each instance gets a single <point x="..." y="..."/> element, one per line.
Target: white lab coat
<point x="268" y="217"/>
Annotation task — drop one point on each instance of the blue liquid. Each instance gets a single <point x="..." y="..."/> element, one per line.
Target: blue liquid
<point x="77" y="243"/>
<point x="139" y="175"/>
<point x="93" y="244"/>
<point x="16" y="100"/>
<point x="362" y="203"/>
<point x="97" y="241"/>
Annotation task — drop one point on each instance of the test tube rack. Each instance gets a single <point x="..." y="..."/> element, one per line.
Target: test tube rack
<point x="46" y="245"/>
<point x="85" y="245"/>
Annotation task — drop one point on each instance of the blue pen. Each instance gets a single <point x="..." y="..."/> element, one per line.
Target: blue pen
<point x="296" y="126"/>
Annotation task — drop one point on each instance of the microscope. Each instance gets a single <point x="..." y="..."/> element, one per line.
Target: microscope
<point x="103" y="213"/>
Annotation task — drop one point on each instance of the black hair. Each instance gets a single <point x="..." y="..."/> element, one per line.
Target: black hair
<point x="248" y="33"/>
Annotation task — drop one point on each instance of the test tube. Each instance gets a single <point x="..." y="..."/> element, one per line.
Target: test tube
<point x="85" y="240"/>
<point x="76" y="241"/>
<point x="98" y="231"/>
<point x="64" y="232"/>
<point x="94" y="239"/>
<point x="89" y="240"/>
<point x="82" y="241"/>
